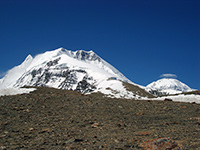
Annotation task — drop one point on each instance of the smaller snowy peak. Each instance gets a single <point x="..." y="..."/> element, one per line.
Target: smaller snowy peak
<point x="167" y="86"/>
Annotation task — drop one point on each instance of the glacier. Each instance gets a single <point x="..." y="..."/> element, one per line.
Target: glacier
<point x="15" y="91"/>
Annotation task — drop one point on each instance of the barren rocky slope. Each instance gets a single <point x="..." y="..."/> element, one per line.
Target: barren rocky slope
<point x="58" y="119"/>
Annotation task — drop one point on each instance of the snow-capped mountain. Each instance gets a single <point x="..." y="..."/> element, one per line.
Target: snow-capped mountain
<point x="79" y="70"/>
<point x="167" y="86"/>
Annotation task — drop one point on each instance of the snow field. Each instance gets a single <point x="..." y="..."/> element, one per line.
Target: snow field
<point x="15" y="91"/>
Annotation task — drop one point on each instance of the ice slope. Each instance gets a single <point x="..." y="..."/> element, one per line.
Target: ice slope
<point x="168" y="86"/>
<point x="79" y="70"/>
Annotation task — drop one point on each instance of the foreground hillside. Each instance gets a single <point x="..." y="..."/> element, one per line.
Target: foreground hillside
<point x="58" y="119"/>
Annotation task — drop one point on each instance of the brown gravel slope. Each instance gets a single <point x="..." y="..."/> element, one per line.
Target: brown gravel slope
<point x="57" y="119"/>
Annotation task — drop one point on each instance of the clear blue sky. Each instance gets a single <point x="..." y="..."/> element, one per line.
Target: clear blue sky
<point x="141" y="38"/>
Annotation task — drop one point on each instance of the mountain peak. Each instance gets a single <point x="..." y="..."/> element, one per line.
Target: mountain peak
<point x="86" y="55"/>
<point x="168" y="86"/>
<point x="79" y="70"/>
<point x="78" y="54"/>
<point x="29" y="57"/>
<point x="27" y="60"/>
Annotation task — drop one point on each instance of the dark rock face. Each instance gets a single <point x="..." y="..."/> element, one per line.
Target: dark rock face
<point x="53" y="63"/>
<point x="158" y="93"/>
<point x="66" y="77"/>
<point x="84" y="87"/>
<point x="168" y="99"/>
<point x="90" y="56"/>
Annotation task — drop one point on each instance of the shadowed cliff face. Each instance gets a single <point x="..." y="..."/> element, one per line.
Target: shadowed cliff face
<point x="59" y="119"/>
<point x="62" y="76"/>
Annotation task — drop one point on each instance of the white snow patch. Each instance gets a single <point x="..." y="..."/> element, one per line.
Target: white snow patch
<point x="181" y="98"/>
<point x="115" y="89"/>
<point x="15" y="91"/>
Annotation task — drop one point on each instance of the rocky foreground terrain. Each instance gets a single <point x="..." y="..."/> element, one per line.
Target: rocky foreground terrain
<point x="58" y="119"/>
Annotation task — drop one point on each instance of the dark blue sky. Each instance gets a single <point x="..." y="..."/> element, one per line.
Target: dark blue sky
<point x="141" y="38"/>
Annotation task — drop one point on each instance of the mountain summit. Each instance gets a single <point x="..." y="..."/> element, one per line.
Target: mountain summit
<point x="167" y="86"/>
<point x="80" y="70"/>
